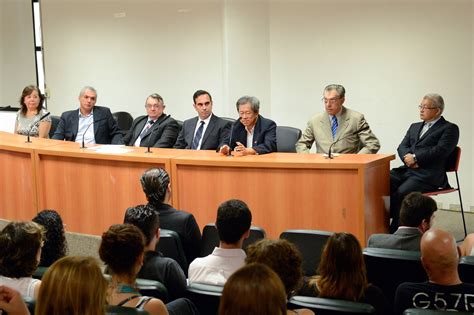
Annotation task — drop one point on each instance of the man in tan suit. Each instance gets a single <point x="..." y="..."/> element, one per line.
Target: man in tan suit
<point x="346" y="128"/>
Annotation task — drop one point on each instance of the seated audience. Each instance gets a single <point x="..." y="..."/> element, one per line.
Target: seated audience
<point x="444" y="290"/>
<point x="73" y="285"/>
<point x="157" y="188"/>
<point x="467" y="246"/>
<point x="12" y="302"/>
<point x="55" y="245"/>
<point x="155" y="266"/>
<point x="342" y="275"/>
<point x="416" y="217"/>
<point x="31" y="111"/>
<point x="122" y="250"/>
<point x="20" y="252"/>
<point x="233" y="226"/>
<point x="284" y="258"/>
<point x="254" y="289"/>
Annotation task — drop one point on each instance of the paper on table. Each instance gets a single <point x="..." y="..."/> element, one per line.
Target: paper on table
<point x="110" y="149"/>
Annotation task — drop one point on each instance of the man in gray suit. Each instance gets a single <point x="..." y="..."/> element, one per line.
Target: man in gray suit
<point x="416" y="217"/>
<point x="206" y="131"/>
<point x="339" y="126"/>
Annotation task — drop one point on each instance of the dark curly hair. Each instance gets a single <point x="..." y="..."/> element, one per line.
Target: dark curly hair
<point x="27" y="91"/>
<point x="19" y="246"/>
<point x="55" y="245"/>
<point x="282" y="257"/>
<point x="155" y="182"/>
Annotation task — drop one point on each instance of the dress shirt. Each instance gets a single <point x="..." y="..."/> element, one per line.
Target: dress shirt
<point x="84" y="122"/>
<point x="204" y="127"/>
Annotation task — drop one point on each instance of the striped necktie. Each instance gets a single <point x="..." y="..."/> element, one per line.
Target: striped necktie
<point x="198" y="136"/>
<point x="334" y="127"/>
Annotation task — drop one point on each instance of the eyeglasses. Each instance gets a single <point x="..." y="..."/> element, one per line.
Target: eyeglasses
<point x="154" y="106"/>
<point x="422" y="107"/>
<point x="329" y="100"/>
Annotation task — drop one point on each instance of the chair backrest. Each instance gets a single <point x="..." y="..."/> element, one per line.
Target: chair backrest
<point x="324" y="306"/>
<point x="205" y="297"/>
<point x="466" y="269"/>
<point x="54" y="124"/>
<point x="30" y="303"/>
<point x="152" y="288"/>
<point x="452" y="163"/>
<point x="286" y="138"/>
<point x="170" y="246"/>
<point x="122" y="310"/>
<point x="310" y="243"/>
<point x="419" y="311"/>
<point x="124" y="121"/>
<point x="229" y="119"/>
<point x="39" y="272"/>
<point x="180" y="124"/>
<point x="387" y="268"/>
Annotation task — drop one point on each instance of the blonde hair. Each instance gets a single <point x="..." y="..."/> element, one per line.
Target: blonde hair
<point x="74" y="286"/>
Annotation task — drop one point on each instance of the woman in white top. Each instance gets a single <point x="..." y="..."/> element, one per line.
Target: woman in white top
<point x="20" y="252"/>
<point x="27" y="118"/>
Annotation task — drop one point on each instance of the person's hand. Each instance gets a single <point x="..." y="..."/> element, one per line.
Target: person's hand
<point x="240" y="150"/>
<point x="409" y="160"/>
<point x="12" y="302"/>
<point x="224" y="150"/>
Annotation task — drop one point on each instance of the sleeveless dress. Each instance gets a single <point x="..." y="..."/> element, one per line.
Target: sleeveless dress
<point x="25" y="123"/>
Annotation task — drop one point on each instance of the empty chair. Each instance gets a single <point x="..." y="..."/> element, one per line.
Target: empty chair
<point x="287" y="138"/>
<point x="122" y="310"/>
<point x="124" y="121"/>
<point x="170" y="246"/>
<point x="54" y="124"/>
<point x="180" y="125"/>
<point x="205" y="297"/>
<point x="323" y="306"/>
<point x="310" y="243"/>
<point x="466" y="269"/>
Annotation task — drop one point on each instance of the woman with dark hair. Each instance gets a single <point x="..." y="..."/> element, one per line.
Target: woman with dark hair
<point x="342" y="274"/>
<point x="55" y="245"/>
<point x="27" y="118"/>
<point x="20" y="251"/>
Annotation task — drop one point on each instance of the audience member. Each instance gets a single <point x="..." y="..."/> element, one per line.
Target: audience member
<point x="155" y="129"/>
<point x="254" y="289"/>
<point x="155" y="266"/>
<point x="342" y="275"/>
<point x="157" y="188"/>
<point x="444" y="290"/>
<point x="73" y="285"/>
<point x="30" y="113"/>
<point x="345" y="129"/>
<point x="12" y="302"/>
<point x="233" y="226"/>
<point x="467" y="247"/>
<point x="55" y="245"/>
<point x="205" y="131"/>
<point x="416" y="217"/>
<point x="20" y="252"/>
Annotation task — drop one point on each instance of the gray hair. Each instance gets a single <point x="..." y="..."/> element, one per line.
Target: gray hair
<point x="87" y="88"/>
<point x="341" y="91"/>
<point x="252" y="100"/>
<point x="436" y="99"/>
<point x="156" y="96"/>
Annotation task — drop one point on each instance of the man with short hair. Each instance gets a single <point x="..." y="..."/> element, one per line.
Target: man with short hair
<point x="252" y="133"/>
<point x="444" y="290"/>
<point x="90" y="124"/>
<point x="155" y="265"/>
<point x="233" y="225"/>
<point x="345" y="129"/>
<point x="155" y="129"/>
<point x="206" y="131"/>
<point x="416" y="217"/>
<point x="424" y="151"/>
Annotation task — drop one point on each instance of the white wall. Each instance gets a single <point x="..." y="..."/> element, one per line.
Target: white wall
<point x="387" y="54"/>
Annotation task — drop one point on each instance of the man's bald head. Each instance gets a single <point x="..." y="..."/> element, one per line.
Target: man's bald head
<point x="438" y="251"/>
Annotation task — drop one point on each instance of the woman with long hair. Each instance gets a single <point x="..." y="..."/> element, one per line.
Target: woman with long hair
<point x="28" y="117"/>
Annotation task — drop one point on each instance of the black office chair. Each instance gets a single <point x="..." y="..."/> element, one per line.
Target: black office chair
<point x="39" y="272"/>
<point x="232" y="120"/>
<point x="205" y="297"/>
<point x="311" y="244"/>
<point x="324" y="306"/>
<point x="124" y="121"/>
<point x="170" y="245"/>
<point x="466" y="269"/>
<point x="54" y="124"/>
<point x="387" y="268"/>
<point x="210" y="238"/>
<point x="286" y="138"/>
<point x="152" y="288"/>
<point x="416" y="311"/>
<point x="122" y="310"/>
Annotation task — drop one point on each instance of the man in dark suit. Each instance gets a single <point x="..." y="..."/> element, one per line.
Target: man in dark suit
<point x="416" y="217"/>
<point x="206" y="131"/>
<point x="91" y="124"/>
<point x="156" y="129"/>
<point x="252" y="133"/>
<point x="424" y="151"/>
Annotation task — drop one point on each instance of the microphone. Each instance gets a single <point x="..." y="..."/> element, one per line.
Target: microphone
<point x="90" y="124"/>
<point x="230" y="138"/>
<point x="152" y="131"/>
<point x="330" y="155"/>
<point x="34" y="124"/>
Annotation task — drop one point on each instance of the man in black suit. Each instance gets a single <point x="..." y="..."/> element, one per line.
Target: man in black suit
<point x="91" y="124"/>
<point x="206" y="131"/>
<point x="252" y="133"/>
<point x="424" y="151"/>
<point x="156" y="129"/>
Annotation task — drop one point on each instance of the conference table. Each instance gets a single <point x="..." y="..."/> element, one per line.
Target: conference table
<point x="92" y="189"/>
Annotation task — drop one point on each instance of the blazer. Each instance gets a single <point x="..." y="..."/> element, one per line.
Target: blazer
<point x="353" y="134"/>
<point x="162" y="134"/>
<point x="432" y="150"/>
<point x="215" y="134"/>
<point x="264" y="135"/>
<point x="106" y="130"/>
<point x="405" y="238"/>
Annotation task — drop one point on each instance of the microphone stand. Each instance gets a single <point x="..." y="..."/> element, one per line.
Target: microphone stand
<point x="151" y="134"/>
<point x="330" y="154"/>
<point x="34" y="124"/>
<point x="84" y="134"/>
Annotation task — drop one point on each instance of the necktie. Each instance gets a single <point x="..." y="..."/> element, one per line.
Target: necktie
<point x="147" y="127"/>
<point x="197" y="136"/>
<point x="334" y="126"/>
<point x="425" y="128"/>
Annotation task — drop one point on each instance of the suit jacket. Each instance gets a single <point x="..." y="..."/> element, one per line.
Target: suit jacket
<point x="353" y="134"/>
<point x="264" y="135"/>
<point x="106" y="130"/>
<point x="215" y="134"/>
<point x="406" y="238"/>
<point x="432" y="150"/>
<point x="162" y="134"/>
